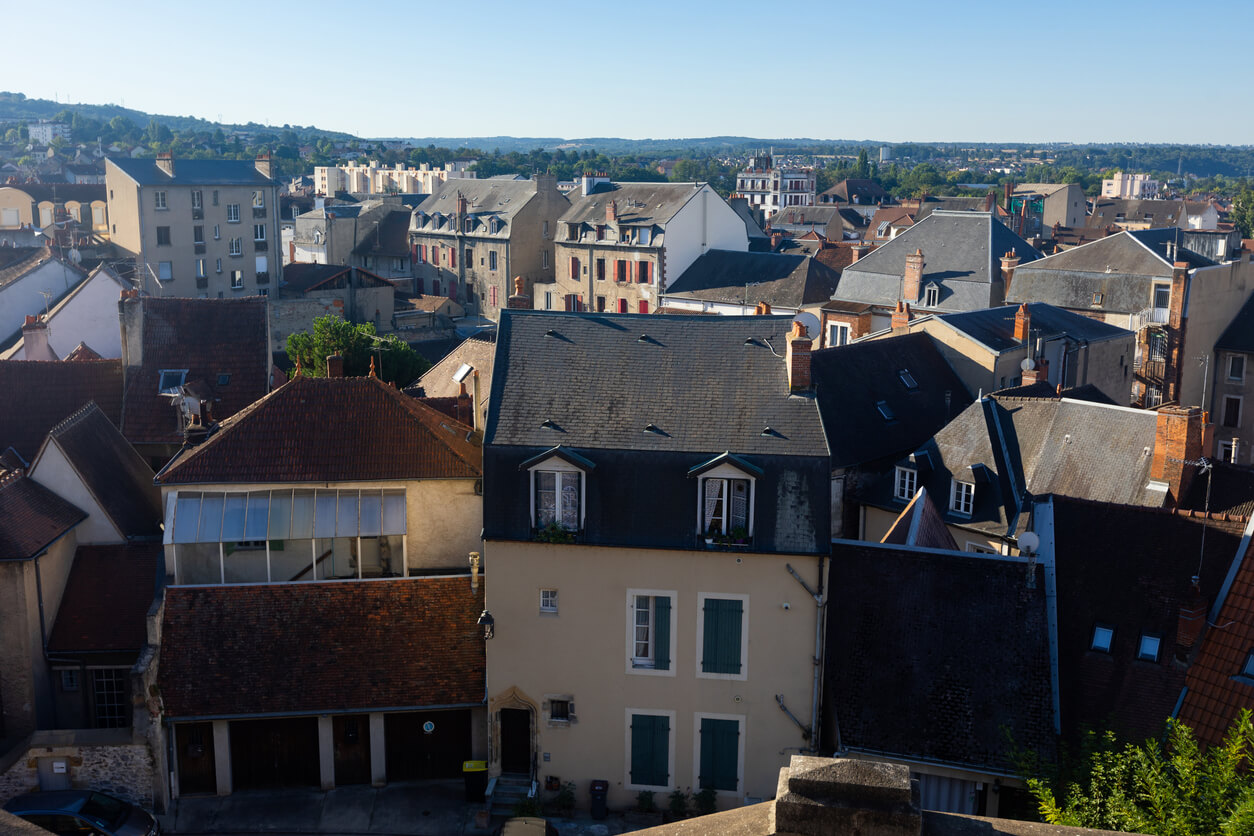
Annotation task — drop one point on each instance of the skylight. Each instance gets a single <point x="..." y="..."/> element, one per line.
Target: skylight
<point x="171" y="379"/>
<point x="907" y="379"/>
<point x="885" y="410"/>
<point x="1148" y="649"/>
<point x="1102" y="638"/>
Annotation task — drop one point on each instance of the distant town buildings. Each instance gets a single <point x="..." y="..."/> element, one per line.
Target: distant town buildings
<point x="373" y="178"/>
<point x="1130" y="185"/>
<point x="44" y="132"/>
<point x="769" y="189"/>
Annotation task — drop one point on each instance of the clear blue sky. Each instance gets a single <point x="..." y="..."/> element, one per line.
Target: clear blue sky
<point x="894" y="70"/>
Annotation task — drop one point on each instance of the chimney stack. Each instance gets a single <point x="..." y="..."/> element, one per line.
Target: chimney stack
<point x="858" y="251"/>
<point x="35" y="340"/>
<point x="335" y="365"/>
<point x="990" y="201"/>
<point x="797" y="358"/>
<point x="611" y="211"/>
<point x="1177" y="440"/>
<point x="763" y="309"/>
<point x="265" y="167"/>
<point x="914" y="277"/>
<point x="519" y="300"/>
<point x="1038" y="373"/>
<point x="1191" y="619"/>
<point x="461" y="205"/>
<point x="165" y="162"/>
<point x="1009" y="262"/>
<point x="1023" y="323"/>
<point x="901" y="316"/>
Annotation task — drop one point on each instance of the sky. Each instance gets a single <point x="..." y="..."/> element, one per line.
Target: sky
<point x="903" y="70"/>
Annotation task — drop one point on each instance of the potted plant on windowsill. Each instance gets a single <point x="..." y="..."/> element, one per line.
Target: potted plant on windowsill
<point x="554" y="533"/>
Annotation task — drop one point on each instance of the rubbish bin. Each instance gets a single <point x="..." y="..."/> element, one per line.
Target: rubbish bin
<point x="475" y="774"/>
<point x="600" y="789"/>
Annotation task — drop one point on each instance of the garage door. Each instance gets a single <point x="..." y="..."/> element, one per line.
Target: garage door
<point x="274" y="753"/>
<point x="430" y="744"/>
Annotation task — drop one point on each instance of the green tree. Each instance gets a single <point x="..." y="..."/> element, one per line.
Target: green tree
<point x="1242" y="213"/>
<point x="395" y="361"/>
<point x="1174" y="789"/>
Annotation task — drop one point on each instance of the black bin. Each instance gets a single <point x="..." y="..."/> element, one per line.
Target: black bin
<point x="475" y="774"/>
<point x="600" y="791"/>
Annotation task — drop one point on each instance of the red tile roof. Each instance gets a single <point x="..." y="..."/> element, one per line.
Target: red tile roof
<point x="340" y="429"/>
<point x="31" y="516"/>
<point x="209" y="338"/>
<point x="1215" y="692"/>
<point x="82" y="351"/>
<point x="107" y="598"/>
<point x="312" y="647"/>
<point x="38" y="395"/>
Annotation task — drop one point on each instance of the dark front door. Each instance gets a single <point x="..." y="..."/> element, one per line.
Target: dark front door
<point x="426" y="744"/>
<point x="274" y="753"/>
<point x="352" y="749"/>
<point x="516" y="741"/>
<point x="195" y="757"/>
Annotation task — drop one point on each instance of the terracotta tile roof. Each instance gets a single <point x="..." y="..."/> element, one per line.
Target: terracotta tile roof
<point x="208" y="337"/>
<point x="111" y="470"/>
<point x="331" y="430"/>
<point x="38" y="395"/>
<point x="107" y="598"/>
<point x="31" y="516"/>
<point x="82" y="351"/>
<point x="310" y="647"/>
<point x="478" y="350"/>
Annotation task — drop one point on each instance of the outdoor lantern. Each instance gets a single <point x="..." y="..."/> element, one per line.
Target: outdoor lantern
<point x="488" y="624"/>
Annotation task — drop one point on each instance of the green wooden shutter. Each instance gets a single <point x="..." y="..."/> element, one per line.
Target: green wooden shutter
<point x="662" y="633"/>
<point x="650" y="750"/>
<point x="721" y="637"/>
<point x="720" y="754"/>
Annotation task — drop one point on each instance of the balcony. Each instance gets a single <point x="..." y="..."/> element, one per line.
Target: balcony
<point x="261" y="246"/>
<point x="263" y="277"/>
<point x="198" y="213"/>
<point x="202" y="282"/>
<point x="199" y="247"/>
<point x="259" y="211"/>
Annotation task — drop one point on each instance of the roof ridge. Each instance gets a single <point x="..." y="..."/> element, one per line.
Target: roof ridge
<point x="72" y="419"/>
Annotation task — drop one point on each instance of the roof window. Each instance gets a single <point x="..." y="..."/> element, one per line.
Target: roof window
<point x="171" y="379"/>
<point x="886" y="412"/>
<point x="1148" y="649"/>
<point x="1103" y="637"/>
<point x="1247" y="670"/>
<point x="907" y="379"/>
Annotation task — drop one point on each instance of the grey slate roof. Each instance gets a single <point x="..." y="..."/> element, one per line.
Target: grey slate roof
<point x="1239" y="335"/>
<point x="638" y="204"/>
<point x="599" y="380"/>
<point x="1159" y="213"/>
<point x="194" y="172"/>
<point x="995" y="327"/>
<point x="961" y="253"/>
<point x="502" y="198"/>
<point x="783" y="280"/>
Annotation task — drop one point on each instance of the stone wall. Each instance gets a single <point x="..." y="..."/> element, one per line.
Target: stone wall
<point x="99" y="759"/>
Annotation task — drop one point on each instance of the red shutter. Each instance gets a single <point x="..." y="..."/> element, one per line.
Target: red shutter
<point x="452" y="258"/>
<point x="574" y="268"/>
<point x="644" y="306"/>
<point x="622" y="306"/>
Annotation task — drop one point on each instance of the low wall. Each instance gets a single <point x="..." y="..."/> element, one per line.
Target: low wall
<point x="101" y="759"/>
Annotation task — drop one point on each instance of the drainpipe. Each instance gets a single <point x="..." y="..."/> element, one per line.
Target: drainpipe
<point x="820" y="612"/>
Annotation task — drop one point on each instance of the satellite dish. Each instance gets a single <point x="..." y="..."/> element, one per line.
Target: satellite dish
<point x="1027" y="364"/>
<point x="810" y="321"/>
<point x="1029" y="542"/>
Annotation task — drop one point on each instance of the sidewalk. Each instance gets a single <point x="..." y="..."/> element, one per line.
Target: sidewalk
<point x="421" y="808"/>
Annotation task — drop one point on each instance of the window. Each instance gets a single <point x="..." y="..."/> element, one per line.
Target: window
<point x="112" y="708"/>
<point x="980" y="548"/>
<point x="572" y="232"/>
<point x="1247" y="670"/>
<point x="1148" y="649"/>
<point x="931" y="296"/>
<point x="546" y="230"/>
<point x="644" y="236"/>
<point x="885" y="411"/>
<point x="1228" y="451"/>
<point x="650" y="756"/>
<point x="197" y="200"/>
<point x="574" y="269"/>
<point x="200" y="268"/>
<point x="1236" y="367"/>
<point x="720" y="751"/>
<point x="560" y="710"/>
<point x="198" y="235"/>
<point x="1097" y="298"/>
<point x="837" y="334"/>
<point x="548" y="300"/>
<point x="622" y="306"/>
<point x="548" y="600"/>
<point x="259" y="232"/>
<point x="224" y="378"/>
<point x="642" y="272"/>
<point x="1103" y="637"/>
<point x="725" y="505"/>
<point x="904" y="485"/>
<point x="237" y="280"/>
<point x="259" y="200"/>
<point x="232" y="213"/>
<point x="215" y="197"/>
<point x="722" y="640"/>
<point x="1162" y="296"/>
<point x="544" y="254"/>
<point x="218" y="265"/>
<point x="69" y="680"/>
<point x="557" y="498"/>
<point x="158" y="200"/>
<point x="650" y="640"/>
<point x="600" y="269"/>
<point x="1232" y="410"/>
<point x="163" y="236"/>
<point x="236" y="246"/>
<point x="621" y="274"/>
<point x="217" y="232"/>
<point x="642" y="306"/>
<point x="962" y="497"/>
<point x="97" y="216"/>
<point x="492" y="299"/>
<point x="907" y="379"/>
<point x="492" y="260"/>
<point x="470" y="257"/>
<point x="452" y="258"/>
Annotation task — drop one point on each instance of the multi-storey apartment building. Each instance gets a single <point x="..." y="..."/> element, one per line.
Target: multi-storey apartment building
<point x="197" y="227"/>
<point x="770" y="189"/>
<point x="373" y="178"/>
<point x="1130" y="186"/>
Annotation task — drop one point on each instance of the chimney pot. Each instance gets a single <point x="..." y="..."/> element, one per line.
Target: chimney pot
<point x="901" y="316"/>
<point x="519" y="300"/>
<point x="1023" y="323"/>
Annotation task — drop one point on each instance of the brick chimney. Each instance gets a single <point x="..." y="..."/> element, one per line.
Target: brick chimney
<point x="1007" y="191"/>
<point x="797" y="359"/>
<point x="165" y="162"/>
<point x="519" y="300"/>
<point x="265" y="167"/>
<point x="461" y="204"/>
<point x="914" y="277"/>
<point x="1192" y="619"/>
<point x="1178" y="439"/>
<point x="1179" y="280"/>
<point x="901" y="316"/>
<point x="1009" y="262"/>
<point x="335" y="365"/>
<point x="859" y="250"/>
<point x="842" y="795"/>
<point x="763" y="309"/>
<point x="131" y="320"/>
<point x="1023" y="323"/>
<point x="35" y="340"/>
<point x="1038" y="373"/>
<point x="611" y="211"/>
<point x="990" y="201"/>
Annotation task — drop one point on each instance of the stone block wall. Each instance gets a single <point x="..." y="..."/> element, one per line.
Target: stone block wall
<point x="123" y="768"/>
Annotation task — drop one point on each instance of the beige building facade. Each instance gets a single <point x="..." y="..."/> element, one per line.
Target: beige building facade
<point x="373" y="178"/>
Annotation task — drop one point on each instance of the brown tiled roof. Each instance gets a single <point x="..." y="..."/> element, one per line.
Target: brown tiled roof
<point x="37" y="395"/>
<point x="840" y="256"/>
<point x="311" y="647"/>
<point x="331" y="430"/>
<point x="209" y="338"/>
<point x="82" y="351"/>
<point x="107" y="598"/>
<point x="1216" y="689"/>
<point x="31" y="516"/>
<point x="111" y="470"/>
<point x="478" y="350"/>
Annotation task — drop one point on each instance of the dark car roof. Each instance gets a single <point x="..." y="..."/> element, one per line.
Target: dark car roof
<point x="53" y="800"/>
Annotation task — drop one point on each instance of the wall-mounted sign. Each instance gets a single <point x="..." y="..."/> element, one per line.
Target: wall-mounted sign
<point x="58" y="767"/>
<point x="428" y="727"/>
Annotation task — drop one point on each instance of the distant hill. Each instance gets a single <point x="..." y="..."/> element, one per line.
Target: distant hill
<point x="615" y="145"/>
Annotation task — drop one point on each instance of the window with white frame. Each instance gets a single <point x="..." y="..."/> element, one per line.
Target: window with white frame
<point x="165" y="270"/>
<point x="217" y="232"/>
<point x="110" y="698"/>
<point x="259" y="200"/>
<point x="557" y="494"/>
<point x="1236" y="367"/>
<point x="1147" y="649"/>
<point x="232" y="213"/>
<point x="259" y="232"/>
<point x="650" y="639"/>
<point x="237" y="280"/>
<point x="1103" y="638"/>
<point x="200" y="268"/>
<point x="907" y="479"/>
<point x="548" y="600"/>
<point x="197" y="199"/>
<point x="236" y="246"/>
<point x="725" y="505"/>
<point x="158" y="200"/>
<point x="837" y="334"/>
<point x="962" y="497"/>
<point x="931" y="296"/>
<point x="1229" y="450"/>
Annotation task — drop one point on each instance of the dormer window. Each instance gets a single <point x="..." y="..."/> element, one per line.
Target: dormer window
<point x="1103" y="637"/>
<point x="962" y="497"/>
<point x="725" y="497"/>
<point x="644" y="236"/>
<point x="170" y="380"/>
<point x="931" y="296"/>
<point x="1147" y="650"/>
<point x="904" y="484"/>
<point x="572" y="232"/>
<point x="558" y="489"/>
<point x="1247" y="670"/>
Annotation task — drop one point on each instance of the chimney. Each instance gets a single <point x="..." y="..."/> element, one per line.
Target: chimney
<point x="1179" y="279"/>
<point x="35" y="340"/>
<point x="1009" y="262"/>
<point x="843" y="795"/>
<point x="519" y="300"/>
<point x="1177" y="440"/>
<point x="990" y="201"/>
<point x="131" y="320"/>
<point x="914" y="277"/>
<point x="858" y="251"/>
<point x="335" y="365"/>
<point x="797" y="359"/>
<point x="611" y="211"/>
<point x="763" y="309"/>
<point x="1023" y="323"/>
<point x="1192" y="618"/>
<point x="1038" y="373"/>
<point x="264" y="165"/>
<point x="1007" y="191"/>
<point x="901" y="316"/>
<point x="165" y="162"/>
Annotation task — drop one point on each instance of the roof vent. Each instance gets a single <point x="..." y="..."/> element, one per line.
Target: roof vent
<point x="768" y="432"/>
<point x="653" y="428"/>
<point x="548" y="424"/>
<point x="751" y="341"/>
<point x="550" y="333"/>
<point x="644" y="338"/>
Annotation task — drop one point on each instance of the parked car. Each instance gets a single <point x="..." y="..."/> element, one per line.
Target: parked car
<point x="83" y="813"/>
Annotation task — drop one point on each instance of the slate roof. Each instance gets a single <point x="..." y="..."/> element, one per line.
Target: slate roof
<point x="479" y="350"/>
<point x="502" y="198"/>
<point x="785" y="281"/>
<point x="1231" y="490"/>
<point x="1129" y="569"/>
<point x="1217" y="685"/>
<point x="995" y="327"/>
<point x="346" y="429"/>
<point x="1239" y="335"/>
<point x="111" y="470"/>
<point x="851" y="380"/>
<point x="758" y="240"/>
<point x="829" y="218"/>
<point x="1159" y="213"/>
<point x="193" y="172"/>
<point x="305" y="278"/>
<point x="390" y="237"/>
<point x="866" y="191"/>
<point x="638" y="204"/>
<point x="16" y="262"/>
<point x="62" y="192"/>
<point x="314" y="647"/>
<point x="31" y="516"/>
<point x="1045" y="389"/>
<point x="839" y="255"/>
<point x="209" y="338"/>
<point x="599" y="380"/>
<point x="935" y="657"/>
<point x="38" y="395"/>
<point x="107" y="597"/>
<point x="962" y="255"/>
